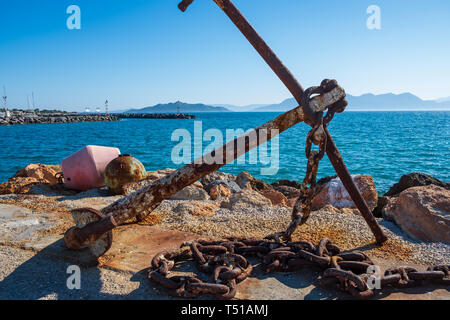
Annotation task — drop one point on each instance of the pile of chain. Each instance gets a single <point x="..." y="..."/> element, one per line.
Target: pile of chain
<point x="309" y="189"/>
<point x="226" y="261"/>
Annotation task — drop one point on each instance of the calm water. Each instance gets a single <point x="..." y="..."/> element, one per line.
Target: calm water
<point x="385" y="145"/>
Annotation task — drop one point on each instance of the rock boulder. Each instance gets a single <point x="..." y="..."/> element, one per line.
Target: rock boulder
<point x="233" y="186"/>
<point x="287" y="183"/>
<point x="422" y="212"/>
<point x="335" y="194"/>
<point x="219" y="191"/>
<point x="25" y="179"/>
<point x="217" y="176"/>
<point x="415" y="179"/>
<point x="277" y="198"/>
<point x="40" y="172"/>
<point x="191" y="193"/>
<point x="247" y="182"/>
<point x="288" y="192"/>
<point x="246" y="199"/>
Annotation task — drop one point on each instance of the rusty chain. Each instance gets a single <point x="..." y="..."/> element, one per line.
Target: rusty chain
<point x="309" y="188"/>
<point x="227" y="262"/>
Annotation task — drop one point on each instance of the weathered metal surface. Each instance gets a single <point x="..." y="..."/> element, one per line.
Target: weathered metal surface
<point x="92" y="230"/>
<point x="121" y="171"/>
<point x="339" y="165"/>
<point x="185" y="4"/>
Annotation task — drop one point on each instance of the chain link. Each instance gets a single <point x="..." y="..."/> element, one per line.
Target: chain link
<point x="309" y="188"/>
<point x="226" y="260"/>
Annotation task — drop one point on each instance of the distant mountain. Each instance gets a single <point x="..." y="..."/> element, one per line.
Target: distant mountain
<point x="247" y="108"/>
<point x="286" y="105"/>
<point x="372" y="102"/>
<point x="447" y="99"/>
<point x="175" y="106"/>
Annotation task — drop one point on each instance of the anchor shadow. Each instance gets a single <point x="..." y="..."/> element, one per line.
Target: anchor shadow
<point x="45" y="276"/>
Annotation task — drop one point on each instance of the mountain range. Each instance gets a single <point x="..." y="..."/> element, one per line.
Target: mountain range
<point x="365" y="102"/>
<point x="372" y="102"/>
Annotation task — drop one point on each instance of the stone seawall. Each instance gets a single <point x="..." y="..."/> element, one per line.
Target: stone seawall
<point x="56" y="118"/>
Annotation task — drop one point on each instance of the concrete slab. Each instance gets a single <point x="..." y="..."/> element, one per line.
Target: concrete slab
<point x="19" y="225"/>
<point x="133" y="248"/>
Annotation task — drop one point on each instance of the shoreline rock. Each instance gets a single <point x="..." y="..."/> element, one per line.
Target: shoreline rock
<point x="247" y="182"/>
<point x="220" y="191"/>
<point x="30" y="176"/>
<point x="334" y="193"/>
<point x="415" y="179"/>
<point x="409" y="215"/>
<point x="421" y="212"/>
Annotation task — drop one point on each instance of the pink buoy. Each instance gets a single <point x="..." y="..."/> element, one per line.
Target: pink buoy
<point x="84" y="169"/>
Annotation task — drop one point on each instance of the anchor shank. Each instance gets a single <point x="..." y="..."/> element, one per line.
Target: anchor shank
<point x="341" y="169"/>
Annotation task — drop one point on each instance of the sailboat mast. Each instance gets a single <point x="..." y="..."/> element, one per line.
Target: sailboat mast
<point x="5" y="102"/>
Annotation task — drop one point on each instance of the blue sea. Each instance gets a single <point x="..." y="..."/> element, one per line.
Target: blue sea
<point x="385" y="145"/>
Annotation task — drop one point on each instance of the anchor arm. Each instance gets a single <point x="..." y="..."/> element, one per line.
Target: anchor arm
<point x="146" y="199"/>
<point x="143" y="201"/>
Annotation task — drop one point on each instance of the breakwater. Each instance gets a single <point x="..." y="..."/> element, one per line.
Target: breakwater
<point x="64" y="117"/>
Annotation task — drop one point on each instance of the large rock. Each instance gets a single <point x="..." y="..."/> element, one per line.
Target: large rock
<point x="288" y="192"/>
<point x="277" y="198"/>
<point x="287" y="183"/>
<point x="415" y="179"/>
<point x="246" y="199"/>
<point x="382" y="202"/>
<point x="40" y="172"/>
<point x="335" y="194"/>
<point x="156" y="175"/>
<point x="220" y="191"/>
<point x="19" y="185"/>
<point x="247" y="182"/>
<point x="191" y="193"/>
<point x="25" y="179"/>
<point x="217" y="176"/>
<point x="422" y="212"/>
<point x="234" y="188"/>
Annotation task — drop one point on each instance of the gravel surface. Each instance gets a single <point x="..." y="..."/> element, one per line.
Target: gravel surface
<point x="348" y="231"/>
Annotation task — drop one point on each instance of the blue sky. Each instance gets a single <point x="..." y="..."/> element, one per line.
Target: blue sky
<point x="138" y="53"/>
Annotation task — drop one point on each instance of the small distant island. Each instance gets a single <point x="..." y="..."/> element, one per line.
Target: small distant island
<point x="155" y="116"/>
<point x="177" y="107"/>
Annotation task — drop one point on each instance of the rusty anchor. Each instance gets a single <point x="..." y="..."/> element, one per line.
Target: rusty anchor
<point x="93" y="228"/>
